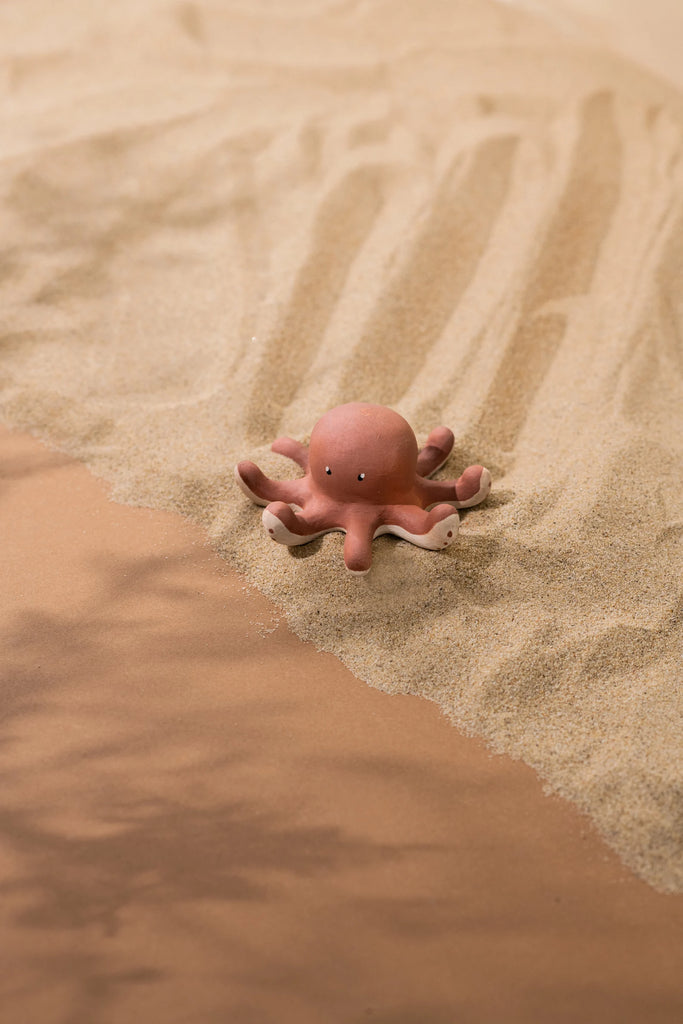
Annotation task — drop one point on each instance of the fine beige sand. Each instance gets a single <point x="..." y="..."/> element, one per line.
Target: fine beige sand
<point x="221" y="219"/>
<point x="206" y="821"/>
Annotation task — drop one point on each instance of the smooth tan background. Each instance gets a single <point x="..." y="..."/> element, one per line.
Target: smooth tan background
<point x="649" y="33"/>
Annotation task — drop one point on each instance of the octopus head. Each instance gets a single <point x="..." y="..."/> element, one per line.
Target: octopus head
<point x="363" y="453"/>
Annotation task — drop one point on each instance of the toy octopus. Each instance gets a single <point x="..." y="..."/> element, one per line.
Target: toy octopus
<point x="365" y="476"/>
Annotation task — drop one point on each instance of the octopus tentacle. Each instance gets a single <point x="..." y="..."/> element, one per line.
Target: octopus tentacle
<point x="433" y="530"/>
<point x="468" y="490"/>
<point x="358" y="544"/>
<point x="294" y="450"/>
<point x="435" y="452"/>
<point x="262" y="490"/>
<point x="292" y="528"/>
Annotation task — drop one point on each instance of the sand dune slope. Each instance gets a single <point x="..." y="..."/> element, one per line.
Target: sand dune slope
<point x="220" y="220"/>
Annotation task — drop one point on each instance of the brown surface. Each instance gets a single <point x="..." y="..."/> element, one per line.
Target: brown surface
<point x="206" y="820"/>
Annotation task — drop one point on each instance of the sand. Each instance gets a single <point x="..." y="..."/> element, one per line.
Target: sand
<point x="221" y="220"/>
<point x="204" y="820"/>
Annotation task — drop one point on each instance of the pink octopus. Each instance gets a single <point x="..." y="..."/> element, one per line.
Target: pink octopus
<point x="365" y="476"/>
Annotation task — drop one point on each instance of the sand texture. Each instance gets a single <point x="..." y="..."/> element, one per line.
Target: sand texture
<point x="219" y="220"/>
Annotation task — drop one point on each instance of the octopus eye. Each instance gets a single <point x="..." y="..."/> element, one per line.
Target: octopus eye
<point x="328" y="470"/>
<point x="361" y="476"/>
